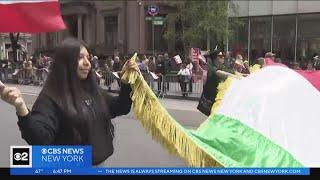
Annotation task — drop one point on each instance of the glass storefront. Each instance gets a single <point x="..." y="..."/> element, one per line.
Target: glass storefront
<point x="239" y="39"/>
<point x="282" y="28"/>
<point x="260" y="36"/>
<point x="283" y="40"/>
<point x="308" y="36"/>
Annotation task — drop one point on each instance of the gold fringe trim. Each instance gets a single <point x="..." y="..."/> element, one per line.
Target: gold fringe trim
<point x="223" y="87"/>
<point x="163" y="128"/>
<point x="254" y="68"/>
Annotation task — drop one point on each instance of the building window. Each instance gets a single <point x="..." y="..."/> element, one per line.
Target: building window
<point x="308" y="36"/>
<point x="72" y="25"/>
<point x="283" y="42"/>
<point x="83" y="26"/>
<point x="111" y="32"/>
<point x="260" y="37"/>
<point x="238" y="41"/>
<point x="50" y="39"/>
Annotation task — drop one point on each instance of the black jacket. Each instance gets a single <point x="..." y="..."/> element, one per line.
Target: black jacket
<point x="210" y="90"/>
<point x="45" y="125"/>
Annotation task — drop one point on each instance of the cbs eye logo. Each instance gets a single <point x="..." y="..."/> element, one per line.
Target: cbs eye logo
<point x="20" y="156"/>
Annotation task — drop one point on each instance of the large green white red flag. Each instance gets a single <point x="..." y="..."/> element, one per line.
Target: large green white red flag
<point x="269" y="119"/>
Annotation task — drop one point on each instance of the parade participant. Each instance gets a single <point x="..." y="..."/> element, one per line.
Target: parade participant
<point x="71" y="109"/>
<point x="217" y="73"/>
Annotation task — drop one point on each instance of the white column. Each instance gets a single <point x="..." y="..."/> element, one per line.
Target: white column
<point x="99" y="28"/>
<point x="271" y="34"/>
<point x="249" y="38"/>
<point x="2" y="49"/>
<point x="296" y="40"/>
<point x="79" y="26"/>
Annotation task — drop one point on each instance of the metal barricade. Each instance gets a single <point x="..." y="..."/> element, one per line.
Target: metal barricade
<point x="155" y="83"/>
<point x="25" y="76"/>
<point x="110" y="82"/>
<point x="5" y="73"/>
<point x="175" y="85"/>
<point x="40" y="76"/>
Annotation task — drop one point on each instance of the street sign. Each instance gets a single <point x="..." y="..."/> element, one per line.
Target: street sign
<point x="153" y="10"/>
<point x="156" y="22"/>
<point x="155" y="18"/>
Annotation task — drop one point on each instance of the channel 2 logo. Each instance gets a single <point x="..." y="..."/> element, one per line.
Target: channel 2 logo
<point x="20" y="156"/>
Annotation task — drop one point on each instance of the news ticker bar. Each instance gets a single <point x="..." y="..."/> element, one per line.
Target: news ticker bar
<point x="160" y="171"/>
<point x="77" y="160"/>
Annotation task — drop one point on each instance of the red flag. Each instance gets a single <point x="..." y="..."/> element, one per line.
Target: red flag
<point x="312" y="76"/>
<point x="30" y="16"/>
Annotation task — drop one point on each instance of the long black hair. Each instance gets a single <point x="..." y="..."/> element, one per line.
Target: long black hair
<point x="72" y="95"/>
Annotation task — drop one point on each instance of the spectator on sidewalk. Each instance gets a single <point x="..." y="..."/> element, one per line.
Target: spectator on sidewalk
<point x="190" y="68"/>
<point x="184" y="78"/>
<point x="4" y="70"/>
<point x="152" y="68"/>
<point x="316" y="64"/>
<point x="310" y="66"/>
<point x="116" y="65"/>
<point x="167" y="68"/>
<point x="160" y="71"/>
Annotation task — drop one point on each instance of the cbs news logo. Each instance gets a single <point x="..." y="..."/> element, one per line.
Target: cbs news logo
<point x="20" y="156"/>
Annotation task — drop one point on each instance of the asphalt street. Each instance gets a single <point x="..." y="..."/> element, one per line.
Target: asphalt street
<point x="133" y="146"/>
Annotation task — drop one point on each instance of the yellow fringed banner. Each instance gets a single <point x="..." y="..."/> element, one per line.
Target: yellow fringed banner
<point x="166" y="130"/>
<point x="163" y="128"/>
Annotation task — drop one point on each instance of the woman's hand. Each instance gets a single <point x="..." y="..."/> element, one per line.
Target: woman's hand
<point x="12" y="95"/>
<point x="129" y="65"/>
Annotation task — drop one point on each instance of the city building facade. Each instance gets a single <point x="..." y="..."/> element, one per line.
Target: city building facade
<point x="25" y="41"/>
<point x="109" y="27"/>
<point x="290" y="29"/>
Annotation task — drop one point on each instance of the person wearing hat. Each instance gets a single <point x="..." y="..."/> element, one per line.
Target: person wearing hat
<point x="269" y="58"/>
<point x="270" y="55"/>
<point x="217" y="73"/>
<point x="316" y="64"/>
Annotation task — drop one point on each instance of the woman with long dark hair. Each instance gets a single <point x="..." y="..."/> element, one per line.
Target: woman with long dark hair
<point x="71" y="109"/>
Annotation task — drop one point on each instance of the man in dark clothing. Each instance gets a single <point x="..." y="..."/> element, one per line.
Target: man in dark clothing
<point x="316" y="64"/>
<point x="116" y="65"/>
<point x="160" y="71"/>
<point x="4" y="70"/>
<point x="167" y="68"/>
<point x="217" y="73"/>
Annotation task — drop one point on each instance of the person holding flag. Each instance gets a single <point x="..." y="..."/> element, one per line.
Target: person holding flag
<point x="71" y="109"/>
<point x="217" y="73"/>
